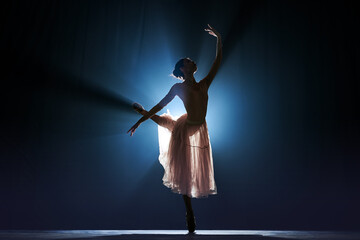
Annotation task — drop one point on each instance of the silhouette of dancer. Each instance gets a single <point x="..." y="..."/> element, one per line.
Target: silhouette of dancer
<point x="185" y="150"/>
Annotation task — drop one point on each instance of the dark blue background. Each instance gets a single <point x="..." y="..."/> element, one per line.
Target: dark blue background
<point x="283" y="113"/>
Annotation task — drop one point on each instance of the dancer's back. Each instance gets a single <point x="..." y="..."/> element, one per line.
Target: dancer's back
<point x="195" y="99"/>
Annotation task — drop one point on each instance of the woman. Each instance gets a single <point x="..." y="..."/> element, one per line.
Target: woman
<point x="185" y="150"/>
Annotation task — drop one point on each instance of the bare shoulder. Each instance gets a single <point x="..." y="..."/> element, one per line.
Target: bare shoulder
<point x="178" y="85"/>
<point x="176" y="88"/>
<point x="204" y="82"/>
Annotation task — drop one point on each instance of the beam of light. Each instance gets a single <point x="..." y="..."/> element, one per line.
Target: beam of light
<point x="153" y="82"/>
<point x="147" y="81"/>
<point x="239" y="22"/>
<point x="74" y="87"/>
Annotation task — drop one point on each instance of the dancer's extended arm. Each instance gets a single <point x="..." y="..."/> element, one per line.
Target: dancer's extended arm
<point x="168" y="98"/>
<point x="214" y="68"/>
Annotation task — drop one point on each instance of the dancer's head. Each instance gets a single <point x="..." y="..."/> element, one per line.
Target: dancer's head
<point x="184" y="66"/>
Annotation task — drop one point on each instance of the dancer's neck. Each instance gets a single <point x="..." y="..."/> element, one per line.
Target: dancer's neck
<point x="189" y="79"/>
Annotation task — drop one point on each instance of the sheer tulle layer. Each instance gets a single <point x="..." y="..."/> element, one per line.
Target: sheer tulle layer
<point x="185" y="154"/>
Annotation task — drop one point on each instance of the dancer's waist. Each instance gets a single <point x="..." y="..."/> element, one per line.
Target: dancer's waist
<point x="191" y="122"/>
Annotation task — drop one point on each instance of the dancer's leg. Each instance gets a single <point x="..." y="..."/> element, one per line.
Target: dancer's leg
<point x="162" y="121"/>
<point x="190" y="219"/>
<point x="187" y="201"/>
<point x="155" y="118"/>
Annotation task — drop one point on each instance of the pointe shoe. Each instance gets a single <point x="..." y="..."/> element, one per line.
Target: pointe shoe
<point x="190" y="222"/>
<point x="137" y="107"/>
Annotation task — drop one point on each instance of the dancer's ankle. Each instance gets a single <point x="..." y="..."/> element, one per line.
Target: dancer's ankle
<point x="190" y="212"/>
<point x="138" y="108"/>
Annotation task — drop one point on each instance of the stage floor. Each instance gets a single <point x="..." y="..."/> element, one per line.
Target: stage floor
<point x="175" y="234"/>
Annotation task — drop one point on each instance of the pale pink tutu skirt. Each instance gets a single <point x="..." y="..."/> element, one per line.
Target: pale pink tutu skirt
<point x="185" y="154"/>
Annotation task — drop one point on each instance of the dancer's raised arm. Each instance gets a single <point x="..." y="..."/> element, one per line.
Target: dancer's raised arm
<point x="214" y="68"/>
<point x="168" y="98"/>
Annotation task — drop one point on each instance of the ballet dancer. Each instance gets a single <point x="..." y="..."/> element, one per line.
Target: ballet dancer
<point x="185" y="150"/>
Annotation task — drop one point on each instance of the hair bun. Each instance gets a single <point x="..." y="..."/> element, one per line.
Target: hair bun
<point x="177" y="72"/>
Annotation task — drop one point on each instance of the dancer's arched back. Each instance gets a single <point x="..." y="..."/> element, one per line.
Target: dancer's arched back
<point x="185" y="150"/>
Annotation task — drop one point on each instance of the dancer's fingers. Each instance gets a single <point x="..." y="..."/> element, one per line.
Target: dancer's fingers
<point x="132" y="132"/>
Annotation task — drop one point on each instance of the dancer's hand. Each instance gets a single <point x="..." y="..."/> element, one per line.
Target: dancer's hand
<point x="133" y="128"/>
<point x="212" y="31"/>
